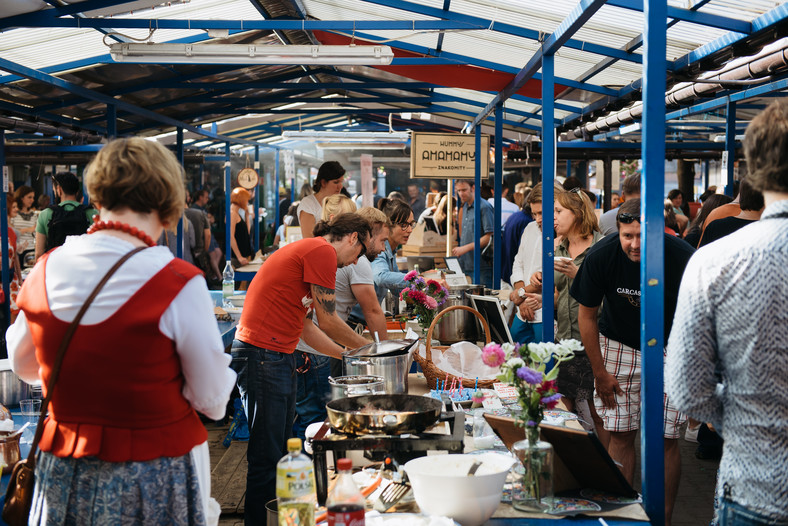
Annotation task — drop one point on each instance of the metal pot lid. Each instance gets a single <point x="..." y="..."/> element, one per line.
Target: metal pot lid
<point x="384" y="348"/>
<point x="356" y="380"/>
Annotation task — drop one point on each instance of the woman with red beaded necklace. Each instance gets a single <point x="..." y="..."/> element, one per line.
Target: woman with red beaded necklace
<point x="123" y="442"/>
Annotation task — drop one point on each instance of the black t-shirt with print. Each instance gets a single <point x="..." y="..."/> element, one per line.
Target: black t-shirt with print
<point x="607" y="273"/>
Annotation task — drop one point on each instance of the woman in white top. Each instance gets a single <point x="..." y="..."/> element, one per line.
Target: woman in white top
<point x="25" y="221"/>
<point x="330" y="177"/>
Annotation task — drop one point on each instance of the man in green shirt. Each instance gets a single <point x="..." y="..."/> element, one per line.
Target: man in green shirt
<point x="66" y="187"/>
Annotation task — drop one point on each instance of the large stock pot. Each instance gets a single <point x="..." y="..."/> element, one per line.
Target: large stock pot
<point x="390" y="359"/>
<point x="459" y="325"/>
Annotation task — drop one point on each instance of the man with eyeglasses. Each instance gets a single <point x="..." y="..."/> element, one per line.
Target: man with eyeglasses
<point x="465" y="191"/>
<point x="610" y="278"/>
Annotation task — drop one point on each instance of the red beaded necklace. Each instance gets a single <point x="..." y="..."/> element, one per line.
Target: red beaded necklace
<point x="123" y="227"/>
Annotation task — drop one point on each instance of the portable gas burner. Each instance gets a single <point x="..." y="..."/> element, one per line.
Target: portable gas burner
<point x="376" y="447"/>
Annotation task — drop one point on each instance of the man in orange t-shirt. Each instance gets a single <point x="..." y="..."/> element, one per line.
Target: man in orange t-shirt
<point x="297" y="280"/>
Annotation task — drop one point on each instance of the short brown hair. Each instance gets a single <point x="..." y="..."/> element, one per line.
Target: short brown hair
<point x="376" y="218"/>
<point x="140" y="175"/>
<point x="343" y="225"/>
<point x="766" y="148"/>
<point x="631" y="186"/>
<point x="578" y="202"/>
<point x="240" y="196"/>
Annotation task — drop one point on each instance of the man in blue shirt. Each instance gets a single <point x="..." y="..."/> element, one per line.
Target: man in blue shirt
<point x="465" y="192"/>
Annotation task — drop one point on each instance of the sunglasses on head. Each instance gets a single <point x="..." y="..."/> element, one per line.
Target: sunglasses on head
<point x="627" y="218"/>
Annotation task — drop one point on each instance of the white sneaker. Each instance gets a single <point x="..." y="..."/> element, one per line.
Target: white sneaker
<point x="691" y="433"/>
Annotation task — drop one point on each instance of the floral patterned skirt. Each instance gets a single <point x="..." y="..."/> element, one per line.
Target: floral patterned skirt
<point x="86" y="491"/>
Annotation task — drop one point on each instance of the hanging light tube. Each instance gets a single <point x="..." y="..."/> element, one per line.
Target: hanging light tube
<point x="151" y="53"/>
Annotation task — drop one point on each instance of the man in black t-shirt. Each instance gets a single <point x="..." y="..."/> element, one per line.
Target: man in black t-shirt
<point x="611" y="272"/>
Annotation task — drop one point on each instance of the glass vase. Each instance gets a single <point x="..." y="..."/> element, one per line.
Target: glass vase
<point x="532" y="490"/>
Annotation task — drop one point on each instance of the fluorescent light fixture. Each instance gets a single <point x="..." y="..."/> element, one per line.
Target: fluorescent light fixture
<point x="250" y="54"/>
<point x="629" y="128"/>
<point x="406" y="115"/>
<point x="347" y="136"/>
<point x="721" y="138"/>
<point x="360" y="145"/>
<point x="289" y="106"/>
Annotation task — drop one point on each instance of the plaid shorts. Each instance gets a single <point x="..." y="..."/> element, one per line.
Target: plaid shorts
<point x="623" y="362"/>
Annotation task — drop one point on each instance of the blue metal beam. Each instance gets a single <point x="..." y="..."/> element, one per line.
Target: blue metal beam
<point x="730" y="146"/>
<point x="691" y="15"/>
<point x="33" y="74"/>
<point x="5" y="274"/>
<point x="548" y="195"/>
<point x="477" y="208"/>
<point x="24" y="110"/>
<point x="256" y="25"/>
<point x="508" y="29"/>
<point x="587" y="145"/>
<point x="569" y="26"/>
<point x="765" y="21"/>
<point x="652" y="261"/>
<point x="497" y="238"/>
<point x="721" y="102"/>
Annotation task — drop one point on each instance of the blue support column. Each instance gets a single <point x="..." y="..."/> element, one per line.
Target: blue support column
<point x="652" y="269"/>
<point x="80" y="176"/>
<point x="477" y="210"/>
<point x="256" y="231"/>
<point x="730" y="145"/>
<point x="706" y="172"/>
<point x="497" y="239"/>
<point x="228" y="249"/>
<point x="179" y="229"/>
<point x="5" y="275"/>
<point x="569" y="168"/>
<point x="548" y="178"/>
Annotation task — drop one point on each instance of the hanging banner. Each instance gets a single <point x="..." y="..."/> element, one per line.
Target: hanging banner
<point x="289" y="160"/>
<point x="366" y="180"/>
<point x="447" y="156"/>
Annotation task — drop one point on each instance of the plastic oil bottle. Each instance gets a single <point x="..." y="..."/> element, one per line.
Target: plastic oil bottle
<point x="295" y="487"/>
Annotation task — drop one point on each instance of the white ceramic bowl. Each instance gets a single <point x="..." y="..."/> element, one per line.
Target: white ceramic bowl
<point x="237" y="301"/>
<point x="441" y="485"/>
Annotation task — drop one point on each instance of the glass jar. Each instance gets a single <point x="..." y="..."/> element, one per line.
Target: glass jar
<point x="532" y="490"/>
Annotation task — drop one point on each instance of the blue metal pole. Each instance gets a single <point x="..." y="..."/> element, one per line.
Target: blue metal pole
<point x="228" y="248"/>
<point x="179" y="229"/>
<point x="256" y="235"/>
<point x="730" y="145"/>
<point x="652" y="269"/>
<point x="497" y="239"/>
<point x="5" y="275"/>
<point x="477" y="210"/>
<point x="548" y="178"/>
<point x="706" y="172"/>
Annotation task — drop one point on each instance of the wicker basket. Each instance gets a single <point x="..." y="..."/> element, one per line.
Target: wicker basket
<point x="431" y="372"/>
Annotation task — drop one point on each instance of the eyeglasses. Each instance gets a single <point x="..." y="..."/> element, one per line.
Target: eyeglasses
<point x="627" y="218"/>
<point x="406" y="225"/>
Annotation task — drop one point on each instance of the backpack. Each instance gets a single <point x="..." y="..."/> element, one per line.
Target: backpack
<point x="64" y="223"/>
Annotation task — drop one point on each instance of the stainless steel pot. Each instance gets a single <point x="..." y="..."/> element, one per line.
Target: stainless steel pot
<point x="390" y="359"/>
<point x="459" y="325"/>
<point x="12" y="389"/>
<point x="347" y="386"/>
<point x="383" y="414"/>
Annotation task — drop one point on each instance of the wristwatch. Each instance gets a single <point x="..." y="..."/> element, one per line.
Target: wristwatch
<point x="521" y="292"/>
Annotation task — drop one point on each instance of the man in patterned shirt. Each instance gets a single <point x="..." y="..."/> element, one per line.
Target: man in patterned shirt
<point x="727" y="357"/>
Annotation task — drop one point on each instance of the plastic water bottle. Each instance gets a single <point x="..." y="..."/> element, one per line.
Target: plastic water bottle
<point x="345" y="503"/>
<point x="295" y="487"/>
<point x="228" y="282"/>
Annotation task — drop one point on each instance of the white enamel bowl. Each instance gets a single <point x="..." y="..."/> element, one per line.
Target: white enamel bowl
<point x="442" y="487"/>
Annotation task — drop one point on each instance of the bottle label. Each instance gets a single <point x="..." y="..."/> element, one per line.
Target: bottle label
<point x="346" y="515"/>
<point x="296" y="514"/>
<point x="294" y="483"/>
<point x="228" y="288"/>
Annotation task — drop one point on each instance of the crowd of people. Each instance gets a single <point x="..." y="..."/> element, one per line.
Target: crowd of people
<point x="726" y="361"/>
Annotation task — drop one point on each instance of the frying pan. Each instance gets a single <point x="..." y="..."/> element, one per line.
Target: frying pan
<point x="389" y="414"/>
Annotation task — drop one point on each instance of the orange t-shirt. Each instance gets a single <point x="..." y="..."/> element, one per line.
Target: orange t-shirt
<point x="280" y="294"/>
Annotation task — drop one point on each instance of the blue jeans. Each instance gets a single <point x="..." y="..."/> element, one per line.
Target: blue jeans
<point x="524" y="332"/>
<point x="267" y="382"/>
<point x="733" y="514"/>
<point x="313" y="391"/>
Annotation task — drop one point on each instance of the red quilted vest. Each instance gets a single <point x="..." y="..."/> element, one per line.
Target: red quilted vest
<point x="118" y="396"/>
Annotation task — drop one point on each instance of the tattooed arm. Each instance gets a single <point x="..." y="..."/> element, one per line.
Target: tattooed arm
<point x="324" y="302"/>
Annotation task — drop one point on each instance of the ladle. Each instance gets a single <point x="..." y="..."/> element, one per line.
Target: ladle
<point x="474" y="467"/>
